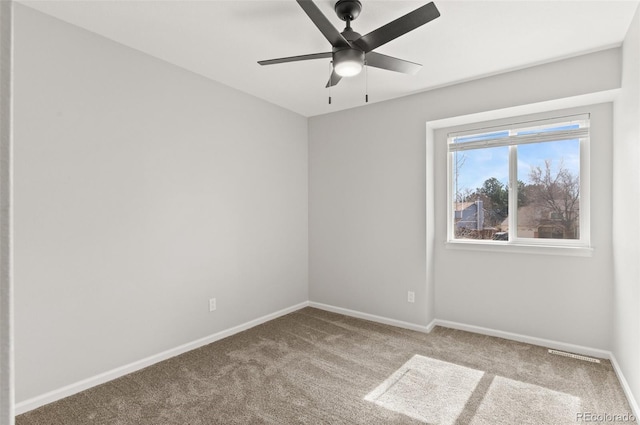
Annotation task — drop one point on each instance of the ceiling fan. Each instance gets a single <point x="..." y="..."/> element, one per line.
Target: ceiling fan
<point x="350" y="50"/>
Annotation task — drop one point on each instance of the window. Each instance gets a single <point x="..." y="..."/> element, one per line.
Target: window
<point x="525" y="184"/>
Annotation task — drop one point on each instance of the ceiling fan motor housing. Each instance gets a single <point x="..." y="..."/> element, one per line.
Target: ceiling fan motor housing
<point x="348" y="61"/>
<point x="348" y="9"/>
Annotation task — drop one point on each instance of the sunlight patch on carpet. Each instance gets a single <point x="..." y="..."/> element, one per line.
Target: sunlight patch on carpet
<point x="508" y="401"/>
<point x="426" y="389"/>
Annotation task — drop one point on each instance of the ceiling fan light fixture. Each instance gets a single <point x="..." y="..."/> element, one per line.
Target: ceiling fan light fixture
<point x="348" y="62"/>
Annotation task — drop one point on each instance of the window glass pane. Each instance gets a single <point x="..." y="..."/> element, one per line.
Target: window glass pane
<point x="549" y="190"/>
<point x="480" y="192"/>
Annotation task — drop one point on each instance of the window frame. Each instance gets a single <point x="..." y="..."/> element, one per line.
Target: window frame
<point x="581" y="246"/>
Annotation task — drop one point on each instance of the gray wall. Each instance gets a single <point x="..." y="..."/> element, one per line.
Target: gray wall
<point x="142" y="190"/>
<point x="6" y="218"/>
<point x="626" y="195"/>
<point x="368" y="203"/>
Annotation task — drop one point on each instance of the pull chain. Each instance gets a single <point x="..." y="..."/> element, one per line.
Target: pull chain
<point x="366" y="82"/>
<point x="330" y="80"/>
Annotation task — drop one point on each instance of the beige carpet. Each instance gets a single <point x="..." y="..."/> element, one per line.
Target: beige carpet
<point x="316" y="367"/>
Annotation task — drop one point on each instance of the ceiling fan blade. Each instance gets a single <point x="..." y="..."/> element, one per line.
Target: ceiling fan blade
<point x="400" y="26"/>
<point x="296" y="58"/>
<point x="381" y="61"/>
<point x="329" y="31"/>
<point x="333" y="80"/>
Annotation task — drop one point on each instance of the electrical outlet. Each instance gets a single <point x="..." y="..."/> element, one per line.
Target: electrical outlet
<point x="212" y="304"/>
<point x="411" y="296"/>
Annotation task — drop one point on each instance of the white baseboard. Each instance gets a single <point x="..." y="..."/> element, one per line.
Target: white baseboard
<point x="625" y="387"/>
<point x="371" y="317"/>
<point x="66" y="391"/>
<point x="572" y="348"/>
<point x="431" y="325"/>
<point x="563" y="346"/>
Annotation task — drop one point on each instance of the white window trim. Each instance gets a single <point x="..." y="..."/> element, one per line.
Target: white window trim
<point x="506" y="247"/>
<point x="581" y="247"/>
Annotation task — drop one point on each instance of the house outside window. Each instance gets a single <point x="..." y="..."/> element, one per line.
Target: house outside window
<point x="521" y="184"/>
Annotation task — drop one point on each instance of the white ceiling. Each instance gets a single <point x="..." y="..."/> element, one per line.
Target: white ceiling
<point x="223" y="40"/>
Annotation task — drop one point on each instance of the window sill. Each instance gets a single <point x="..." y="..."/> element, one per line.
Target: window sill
<point x="506" y="247"/>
